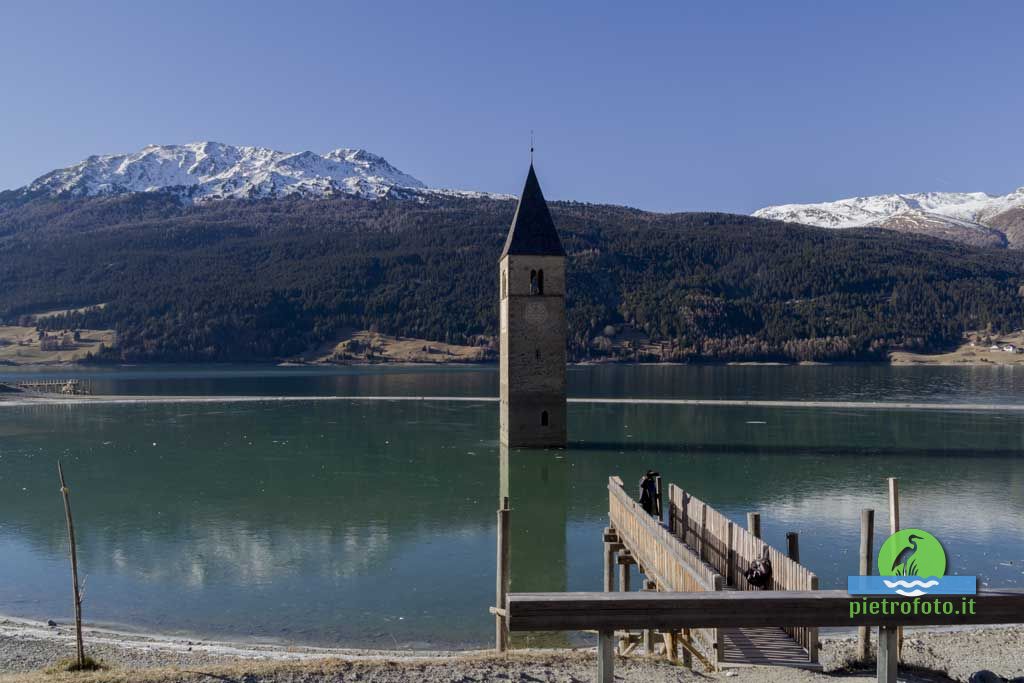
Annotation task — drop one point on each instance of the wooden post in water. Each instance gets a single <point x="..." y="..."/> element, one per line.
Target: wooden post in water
<point x="793" y="546"/>
<point x="894" y="505"/>
<point x="625" y="562"/>
<point x="609" y="565"/>
<point x="894" y="526"/>
<point x="502" y="584"/>
<point x="76" y="587"/>
<point x="754" y="524"/>
<point x="867" y="532"/>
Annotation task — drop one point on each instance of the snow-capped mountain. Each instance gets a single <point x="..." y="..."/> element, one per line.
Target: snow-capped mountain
<point x="972" y="217"/>
<point x="205" y="171"/>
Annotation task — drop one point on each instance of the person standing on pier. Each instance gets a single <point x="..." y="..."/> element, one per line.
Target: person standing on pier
<point x="649" y="492"/>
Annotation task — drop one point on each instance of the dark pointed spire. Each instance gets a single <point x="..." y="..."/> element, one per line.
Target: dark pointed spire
<point x="533" y="232"/>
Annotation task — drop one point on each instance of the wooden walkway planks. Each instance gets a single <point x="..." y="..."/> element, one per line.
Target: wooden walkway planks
<point x="767" y="645"/>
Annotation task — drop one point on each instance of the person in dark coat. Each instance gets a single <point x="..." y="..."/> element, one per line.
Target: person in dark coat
<point x="649" y="492"/>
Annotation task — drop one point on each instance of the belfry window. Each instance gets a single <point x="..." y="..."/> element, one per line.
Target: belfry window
<point x="544" y="419"/>
<point x="533" y="282"/>
<point x="540" y="282"/>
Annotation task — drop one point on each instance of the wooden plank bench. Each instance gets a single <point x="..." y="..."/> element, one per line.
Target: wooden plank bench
<point x="606" y="612"/>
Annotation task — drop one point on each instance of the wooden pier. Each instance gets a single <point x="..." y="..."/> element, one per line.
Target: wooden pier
<point x="701" y="550"/>
<point x="62" y="387"/>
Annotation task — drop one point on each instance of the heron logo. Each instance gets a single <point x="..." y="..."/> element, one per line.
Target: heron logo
<point x="912" y="563"/>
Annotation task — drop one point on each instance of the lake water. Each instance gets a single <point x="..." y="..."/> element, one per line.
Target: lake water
<point x="371" y="523"/>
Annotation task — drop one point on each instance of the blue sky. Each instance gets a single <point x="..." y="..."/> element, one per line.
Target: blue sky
<point x="665" y="106"/>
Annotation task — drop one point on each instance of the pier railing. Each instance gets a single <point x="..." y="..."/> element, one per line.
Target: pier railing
<point x="731" y="549"/>
<point x="672" y="566"/>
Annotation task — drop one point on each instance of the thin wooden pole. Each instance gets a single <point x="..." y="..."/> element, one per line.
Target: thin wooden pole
<point x="894" y="505"/>
<point x="894" y="526"/>
<point x="867" y="532"/>
<point x="754" y="524"/>
<point x="66" y="494"/>
<point x="793" y="546"/>
<point x="657" y="501"/>
<point x="501" y="589"/>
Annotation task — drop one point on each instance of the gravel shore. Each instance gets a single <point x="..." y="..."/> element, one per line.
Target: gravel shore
<point x="28" y="648"/>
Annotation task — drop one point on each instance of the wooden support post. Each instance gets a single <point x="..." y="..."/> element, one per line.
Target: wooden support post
<point x="754" y="524"/>
<point x="605" y="657"/>
<point x="894" y="505"/>
<point x="730" y="574"/>
<point x="609" y="568"/>
<point x="501" y="589"/>
<point x="887" y="659"/>
<point x="649" y="637"/>
<point x="687" y="645"/>
<point x="625" y="570"/>
<point x="894" y="526"/>
<point x="684" y="518"/>
<point x="671" y="639"/>
<point x="704" y="531"/>
<point x="657" y="500"/>
<point x="719" y="585"/>
<point x="793" y="545"/>
<point x="812" y="632"/>
<point x="867" y="532"/>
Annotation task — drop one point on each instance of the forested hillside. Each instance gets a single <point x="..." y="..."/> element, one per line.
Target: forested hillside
<point x="261" y="280"/>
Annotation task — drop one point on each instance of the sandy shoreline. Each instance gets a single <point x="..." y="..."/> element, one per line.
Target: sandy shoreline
<point x="27" y="647"/>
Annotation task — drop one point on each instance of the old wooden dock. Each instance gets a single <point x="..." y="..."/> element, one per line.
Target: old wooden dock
<point x="701" y="550"/>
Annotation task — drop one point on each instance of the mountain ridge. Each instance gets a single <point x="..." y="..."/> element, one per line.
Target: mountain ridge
<point x="206" y="171"/>
<point x="976" y="218"/>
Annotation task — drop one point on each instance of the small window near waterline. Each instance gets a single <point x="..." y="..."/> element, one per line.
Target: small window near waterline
<point x="536" y="354"/>
<point x="544" y="419"/>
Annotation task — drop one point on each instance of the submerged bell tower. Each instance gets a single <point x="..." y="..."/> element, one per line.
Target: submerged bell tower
<point x="533" y="329"/>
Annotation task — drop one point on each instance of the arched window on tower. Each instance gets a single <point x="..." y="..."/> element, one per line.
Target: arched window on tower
<point x="544" y="419"/>
<point x="533" y="282"/>
<point x="540" y="282"/>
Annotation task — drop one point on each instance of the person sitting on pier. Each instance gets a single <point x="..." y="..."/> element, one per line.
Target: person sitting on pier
<point x="649" y="492"/>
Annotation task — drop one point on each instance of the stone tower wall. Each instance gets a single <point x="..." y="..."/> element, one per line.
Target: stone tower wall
<point x="533" y="352"/>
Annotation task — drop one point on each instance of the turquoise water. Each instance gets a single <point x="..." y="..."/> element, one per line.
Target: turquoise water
<point x="372" y="522"/>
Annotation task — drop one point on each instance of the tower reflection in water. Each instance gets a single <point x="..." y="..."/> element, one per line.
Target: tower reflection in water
<point x="537" y="485"/>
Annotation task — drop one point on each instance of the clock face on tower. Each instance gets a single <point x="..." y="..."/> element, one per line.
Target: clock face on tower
<point x="536" y="313"/>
